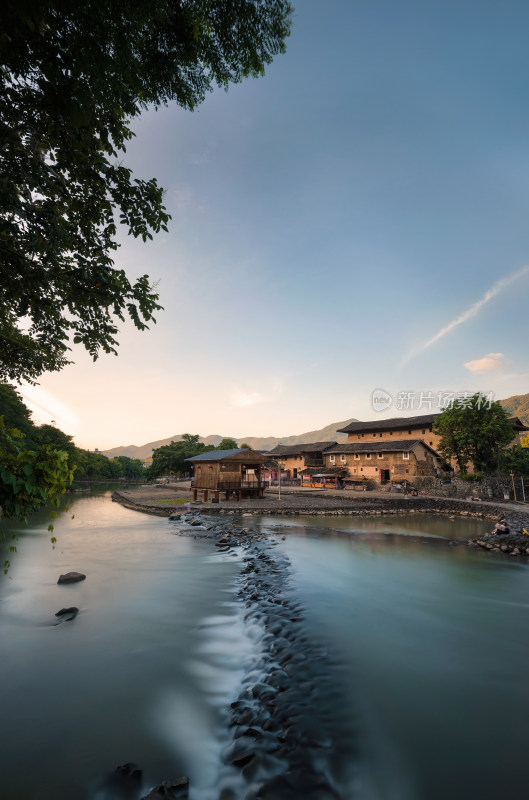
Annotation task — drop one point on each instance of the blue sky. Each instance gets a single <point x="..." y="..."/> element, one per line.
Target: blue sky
<point x="329" y="220"/>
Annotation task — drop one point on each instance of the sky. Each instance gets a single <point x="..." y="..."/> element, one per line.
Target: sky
<point x="356" y="220"/>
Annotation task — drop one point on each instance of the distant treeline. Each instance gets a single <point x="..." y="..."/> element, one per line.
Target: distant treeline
<point x="88" y="465"/>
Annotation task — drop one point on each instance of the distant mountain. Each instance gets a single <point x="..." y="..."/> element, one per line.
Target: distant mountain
<point x="327" y="434"/>
<point x="518" y="406"/>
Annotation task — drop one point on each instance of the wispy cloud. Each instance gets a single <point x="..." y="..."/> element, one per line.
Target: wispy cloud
<point x="488" y="363"/>
<point x="242" y="397"/>
<point x="470" y="312"/>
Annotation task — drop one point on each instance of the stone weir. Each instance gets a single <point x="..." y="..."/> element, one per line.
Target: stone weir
<point x="284" y="742"/>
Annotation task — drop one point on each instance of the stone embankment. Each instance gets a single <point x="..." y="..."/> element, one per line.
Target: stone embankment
<point x="153" y="501"/>
<point x="514" y="544"/>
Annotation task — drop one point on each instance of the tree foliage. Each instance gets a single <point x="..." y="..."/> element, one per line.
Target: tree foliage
<point x="474" y="433"/>
<point x="29" y="479"/>
<point x="516" y="460"/>
<point x="170" y="459"/>
<point x="227" y="444"/>
<point x="72" y="77"/>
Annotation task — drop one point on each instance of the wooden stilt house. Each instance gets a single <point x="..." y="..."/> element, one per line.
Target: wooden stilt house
<point x="237" y="472"/>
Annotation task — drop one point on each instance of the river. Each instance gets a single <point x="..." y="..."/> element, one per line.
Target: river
<point x="421" y="689"/>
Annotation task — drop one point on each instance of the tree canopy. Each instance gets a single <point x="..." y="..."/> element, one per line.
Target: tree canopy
<point x="474" y="432"/>
<point x="73" y="75"/>
<point x="170" y="459"/>
<point x="227" y="444"/>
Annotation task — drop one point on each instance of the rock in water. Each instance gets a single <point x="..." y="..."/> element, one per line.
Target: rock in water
<point x="176" y="789"/>
<point x="66" y="614"/>
<point x="123" y="784"/>
<point x="71" y="577"/>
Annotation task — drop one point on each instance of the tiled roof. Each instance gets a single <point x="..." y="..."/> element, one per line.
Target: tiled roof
<point x="401" y="423"/>
<point x="298" y="449"/>
<point x="390" y="424"/>
<point x="218" y="455"/>
<point x="398" y="446"/>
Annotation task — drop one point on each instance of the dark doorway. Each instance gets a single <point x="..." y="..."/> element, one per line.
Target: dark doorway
<point x="384" y="475"/>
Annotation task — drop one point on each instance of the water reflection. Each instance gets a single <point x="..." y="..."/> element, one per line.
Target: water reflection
<point x="434" y="640"/>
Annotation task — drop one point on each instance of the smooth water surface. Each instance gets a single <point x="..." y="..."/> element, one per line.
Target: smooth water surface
<point x="430" y="646"/>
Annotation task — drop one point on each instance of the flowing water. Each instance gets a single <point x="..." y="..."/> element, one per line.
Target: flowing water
<point x="415" y="653"/>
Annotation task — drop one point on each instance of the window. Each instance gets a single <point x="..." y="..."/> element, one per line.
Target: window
<point x="357" y="456"/>
<point x="380" y="434"/>
<point x="381" y="455"/>
<point x="424" y="430"/>
<point x="391" y="433"/>
<point x="374" y="434"/>
<point x="361" y="469"/>
<point x="409" y="431"/>
<point x="407" y="471"/>
<point x="368" y="455"/>
<point x="342" y="457"/>
<point x="406" y="456"/>
<point x="362" y="436"/>
<point x="332" y="459"/>
<point x="354" y="470"/>
<point x="431" y="444"/>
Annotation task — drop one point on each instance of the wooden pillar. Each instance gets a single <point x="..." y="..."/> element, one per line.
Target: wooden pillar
<point x="239" y="495"/>
<point x="228" y="494"/>
<point x="205" y="496"/>
<point x="195" y="494"/>
<point x="216" y="495"/>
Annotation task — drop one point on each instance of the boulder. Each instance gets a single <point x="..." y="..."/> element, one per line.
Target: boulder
<point x="67" y="614"/>
<point x="71" y="577"/>
<point x="125" y="782"/>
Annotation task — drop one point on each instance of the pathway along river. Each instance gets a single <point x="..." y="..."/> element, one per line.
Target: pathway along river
<point x="389" y="664"/>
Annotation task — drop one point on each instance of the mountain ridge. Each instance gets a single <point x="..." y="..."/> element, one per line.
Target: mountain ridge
<point x="328" y="433"/>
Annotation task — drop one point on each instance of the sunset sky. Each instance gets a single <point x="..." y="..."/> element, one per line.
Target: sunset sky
<point x="358" y="219"/>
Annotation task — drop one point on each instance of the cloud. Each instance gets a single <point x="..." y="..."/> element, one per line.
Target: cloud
<point x="470" y="312"/>
<point x="488" y="363"/>
<point x="241" y="399"/>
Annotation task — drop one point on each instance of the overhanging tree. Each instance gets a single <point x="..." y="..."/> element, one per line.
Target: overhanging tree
<point x="474" y="432"/>
<point x="72" y="77"/>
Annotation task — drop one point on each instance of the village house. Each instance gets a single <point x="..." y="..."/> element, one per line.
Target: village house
<point x="237" y="472"/>
<point x="299" y="461"/>
<point x="383" y="461"/>
<point x="398" y="428"/>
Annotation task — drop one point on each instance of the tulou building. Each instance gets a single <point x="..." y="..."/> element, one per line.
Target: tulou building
<point x="395" y="449"/>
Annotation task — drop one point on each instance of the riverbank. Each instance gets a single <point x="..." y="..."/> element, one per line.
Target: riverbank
<point x="170" y="501"/>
